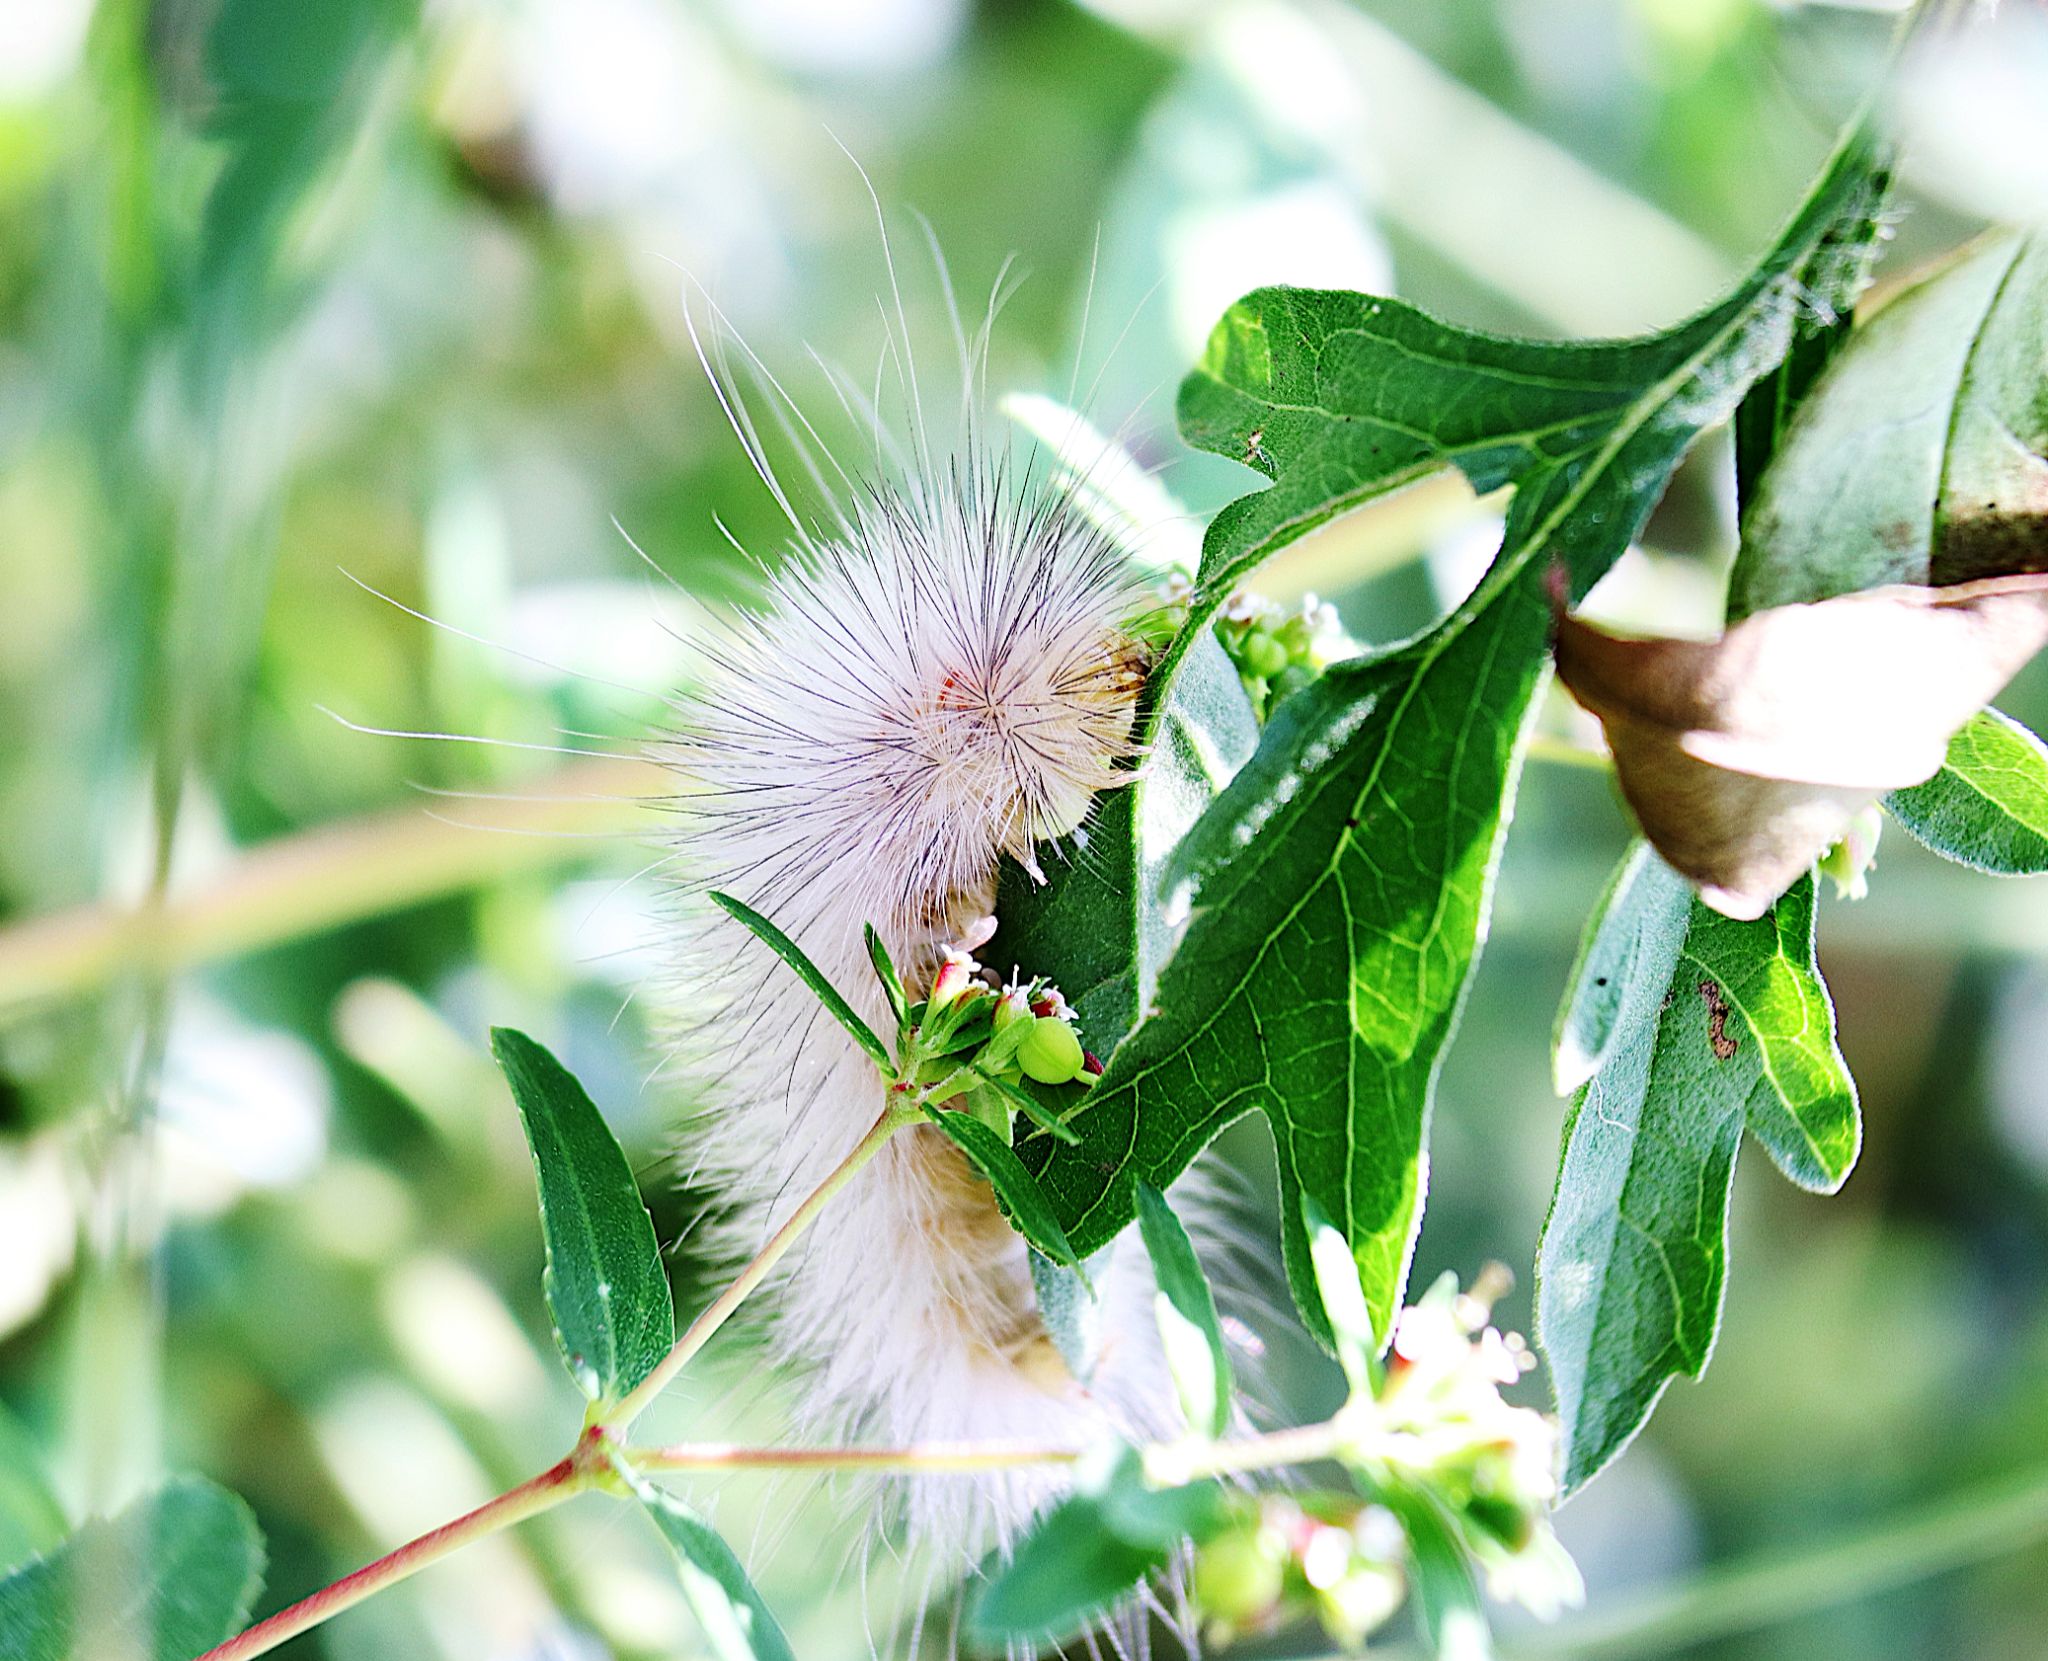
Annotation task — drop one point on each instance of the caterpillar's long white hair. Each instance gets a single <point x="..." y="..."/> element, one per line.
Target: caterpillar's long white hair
<point x="939" y="680"/>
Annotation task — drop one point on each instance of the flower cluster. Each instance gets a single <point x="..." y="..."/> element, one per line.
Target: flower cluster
<point x="984" y="1040"/>
<point x="1432" y="1434"/>
<point x="1276" y="652"/>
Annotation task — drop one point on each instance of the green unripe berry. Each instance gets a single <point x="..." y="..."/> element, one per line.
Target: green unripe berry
<point x="1298" y="635"/>
<point x="1263" y="655"/>
<point x="1238" y="1577"/>
<point x="1051" y="1051"/>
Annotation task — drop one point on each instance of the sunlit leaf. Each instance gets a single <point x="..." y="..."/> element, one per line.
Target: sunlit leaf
<point x="607" y="1291"/>
<point x="1722" y="1024"/>
<point x="1988" y="806"/>
<point x="1340" y="883"/>
<point x="172" y="1575"/>
<point x="808" y="972"/>
<point x="736" y="1623"/>
<point x="1188" y="1323"/>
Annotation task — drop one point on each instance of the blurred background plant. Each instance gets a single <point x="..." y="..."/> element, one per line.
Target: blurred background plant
<point x="391" y="292"/>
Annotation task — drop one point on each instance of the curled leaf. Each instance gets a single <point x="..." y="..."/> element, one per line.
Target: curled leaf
<point x="1745" y="758"/>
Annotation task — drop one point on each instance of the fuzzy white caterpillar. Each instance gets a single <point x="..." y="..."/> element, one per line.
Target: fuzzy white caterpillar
<point x="942" y="684"/>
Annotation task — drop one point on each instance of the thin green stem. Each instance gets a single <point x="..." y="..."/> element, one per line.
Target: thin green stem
<point x="893" y="1118"/>
<point x="559" y="1482"/>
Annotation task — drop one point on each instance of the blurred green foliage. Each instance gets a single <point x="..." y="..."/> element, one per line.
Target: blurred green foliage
<point x="296" y="294"/>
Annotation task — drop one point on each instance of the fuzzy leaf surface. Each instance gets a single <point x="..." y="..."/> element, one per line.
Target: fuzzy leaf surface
<point x="1921" y="453"/>
<point x="736" y="1623"/>
<point x="1341" y="881"/>
<point x="1987" y="807"/>
<point x="167" y="1578"/>
<point x="607" y="1292"/>
<point x="1722" y="1025"/>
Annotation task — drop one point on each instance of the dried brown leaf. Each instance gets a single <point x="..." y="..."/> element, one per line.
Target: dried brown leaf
<point x="1744" y="758"/>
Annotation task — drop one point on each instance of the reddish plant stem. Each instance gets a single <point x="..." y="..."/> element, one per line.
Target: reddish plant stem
<point x="554" y="1485"/>
<point x="935" y="1457"/>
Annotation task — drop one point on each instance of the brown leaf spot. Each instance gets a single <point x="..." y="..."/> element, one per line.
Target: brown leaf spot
<point x="1717" y="1021"/>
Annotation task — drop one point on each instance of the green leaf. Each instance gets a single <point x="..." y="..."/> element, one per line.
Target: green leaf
<point x="1722" y="1024"/>
<point x="1342" y="880"/>
<point x="1447" y="1601"/>
<point x="31" y="1520"/>
<point x="1100" y="928"/>
<point x="1592" y="996"/>
<point x="1187" y="1319"/>
<point x="606" y="1289"/>
<point x="1340" y="1295"/>
<point x="1918" y="455"/>
<point x="1090" y="1550"/>
<point x="885" y="972"/>
<point x="1071" y="1313"/>
<point x="1988" y="806"/>
<point x="1017" y="1190"/>
<point x="1045" y="1118"/>
<point x="737" y="1625"/>
<point x="170" y="1576"/>
<point x="809" y="973"/>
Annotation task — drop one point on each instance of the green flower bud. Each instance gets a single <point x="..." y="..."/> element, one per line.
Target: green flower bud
<point x="1051" y="1052"/>
<point x="1263" y="655"/>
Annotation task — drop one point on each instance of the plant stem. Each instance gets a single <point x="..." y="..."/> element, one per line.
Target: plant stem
<point x="934" y="1457"/>
<point x="1170" y="1464"/>
<point x="554" y="1485"/>
<point x="893" y="1118"/>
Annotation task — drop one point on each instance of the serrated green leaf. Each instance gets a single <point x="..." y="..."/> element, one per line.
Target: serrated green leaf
<point x="1722" y="1024"/>
<point x="1016" y="1189"/>
<point x="167" y="1578"/>
<point x="1188" y="1325"/>
<point x="1088" y="1551"/>
<point x="1342" y="879"/>
<point x="1988" y="806"/>
<point x="808" y="972"/>
<point x="1918" y="455"/>
<point x="736" y="1623"/>
<point x="606" y="1289"/>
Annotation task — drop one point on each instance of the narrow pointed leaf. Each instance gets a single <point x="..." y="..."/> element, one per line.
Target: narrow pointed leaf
<point x="1448" y="1605"/>
<point x="1201" y="1364"/>
<point x="167" y="1578"/>
<point x="1592" y="998"/>
<point x="1016" y="1189"/>
<point x="1987" y="807"/>
<point x="736" y="1623"/>
<point x="607" y="1291"/>
<point x="885" y="972"/>
<point x="808" y="972"/>
<point x="1088" y="1552"/>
